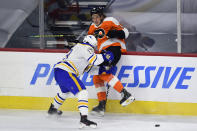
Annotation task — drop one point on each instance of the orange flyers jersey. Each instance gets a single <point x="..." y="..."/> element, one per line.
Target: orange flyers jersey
<point x="109" y="23"/>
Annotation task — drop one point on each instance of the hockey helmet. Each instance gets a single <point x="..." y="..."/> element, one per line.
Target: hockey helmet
<point x="97" y="10"/>
<point x="91" y="40"/>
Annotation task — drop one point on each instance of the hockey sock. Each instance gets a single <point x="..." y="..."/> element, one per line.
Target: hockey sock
<point x="101" y="93"/>
<point x="59" y="99"/>
<point x="83" y="102"/>
<point x="116" y="84"/>
<point x="100" y="88"/>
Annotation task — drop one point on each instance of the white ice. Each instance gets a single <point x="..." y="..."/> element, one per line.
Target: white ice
<point x="28" y="120"/>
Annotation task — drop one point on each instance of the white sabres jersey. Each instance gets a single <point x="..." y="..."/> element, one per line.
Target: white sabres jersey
<point x="79" y="58"/>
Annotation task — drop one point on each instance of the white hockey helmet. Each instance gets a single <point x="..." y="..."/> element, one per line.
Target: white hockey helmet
<point x="91" y="40"/>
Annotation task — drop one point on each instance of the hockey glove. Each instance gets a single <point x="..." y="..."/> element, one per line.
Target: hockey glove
<point x="107" y="56"/>
<point x="116" y="34"/>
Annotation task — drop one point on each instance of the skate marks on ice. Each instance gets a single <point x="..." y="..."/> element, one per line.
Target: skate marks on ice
<point x="28" y="120"/>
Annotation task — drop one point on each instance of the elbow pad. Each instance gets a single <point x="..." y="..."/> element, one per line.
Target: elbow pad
<point x="126" y="32"/>
<point x="120" y="34"/>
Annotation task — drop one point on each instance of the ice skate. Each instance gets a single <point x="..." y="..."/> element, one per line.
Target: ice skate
<point x="53" y="111"/>
<point x="100" y="109"/>
<point x="84" y="122"/>
<point x="127" y="98"/>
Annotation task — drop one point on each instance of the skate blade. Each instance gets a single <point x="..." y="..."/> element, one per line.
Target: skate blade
<point x="128" y="101"/>
<point x="99" y="114"/>
<point x="82" y="126"/>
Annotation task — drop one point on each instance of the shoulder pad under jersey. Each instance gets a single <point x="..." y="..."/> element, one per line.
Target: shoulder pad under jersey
<point x="114" y="20"/>
<point x="90" y="50"/>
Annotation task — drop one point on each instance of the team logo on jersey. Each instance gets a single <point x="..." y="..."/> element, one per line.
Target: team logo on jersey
<point x="99" y="33"/>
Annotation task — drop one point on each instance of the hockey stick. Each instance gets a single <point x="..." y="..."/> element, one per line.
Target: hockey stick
<point x="107" y="92"/>
<point x="58" y="35"/>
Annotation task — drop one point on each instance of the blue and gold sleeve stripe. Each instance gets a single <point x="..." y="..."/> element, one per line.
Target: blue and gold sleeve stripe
<point x="92" y="59"/>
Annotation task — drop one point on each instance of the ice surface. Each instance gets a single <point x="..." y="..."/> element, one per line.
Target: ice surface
<point x="28" y="120"/>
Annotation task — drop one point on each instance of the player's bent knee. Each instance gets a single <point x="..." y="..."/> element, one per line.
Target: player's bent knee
<point x="63" y="95"/>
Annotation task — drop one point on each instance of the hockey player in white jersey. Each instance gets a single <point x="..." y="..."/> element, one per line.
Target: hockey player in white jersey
<point x="79" y="59"/>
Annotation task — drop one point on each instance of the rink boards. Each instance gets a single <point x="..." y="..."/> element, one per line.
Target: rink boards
<point x="161" y="84"/>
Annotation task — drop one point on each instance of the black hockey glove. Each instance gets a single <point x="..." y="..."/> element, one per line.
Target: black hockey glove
<point x="116" y="34"/>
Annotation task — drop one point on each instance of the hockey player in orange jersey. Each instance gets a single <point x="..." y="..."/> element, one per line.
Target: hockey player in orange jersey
<point x="110" y="36"/>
